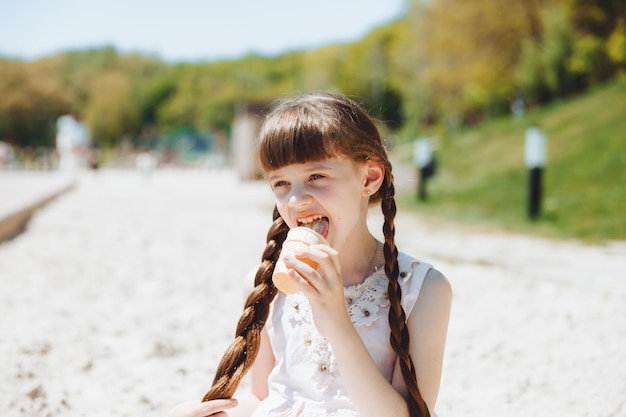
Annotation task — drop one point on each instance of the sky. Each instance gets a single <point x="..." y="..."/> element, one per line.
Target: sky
<point x="186" y="30"/>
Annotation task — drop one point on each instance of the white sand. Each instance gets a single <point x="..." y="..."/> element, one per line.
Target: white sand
<point x="122" y="295"/>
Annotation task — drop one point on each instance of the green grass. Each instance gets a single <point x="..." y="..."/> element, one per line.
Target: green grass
<point x="482" y="179"/>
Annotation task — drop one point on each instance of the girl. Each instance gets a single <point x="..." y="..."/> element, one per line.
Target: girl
<point x="365" y="334"/>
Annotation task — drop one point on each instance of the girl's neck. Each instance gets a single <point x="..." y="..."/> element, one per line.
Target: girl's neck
<point x="357" y="265"/>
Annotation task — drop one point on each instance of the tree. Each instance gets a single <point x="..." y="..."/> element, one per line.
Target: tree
<point x="31" y="98"/>
<point x="467" y="51"/>
<point x="113" y="111"/>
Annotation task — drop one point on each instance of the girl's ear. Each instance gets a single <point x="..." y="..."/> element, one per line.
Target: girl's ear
<point x="374" y="175"/>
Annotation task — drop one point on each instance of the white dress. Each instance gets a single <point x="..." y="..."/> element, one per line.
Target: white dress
<point x="305" y="381"/>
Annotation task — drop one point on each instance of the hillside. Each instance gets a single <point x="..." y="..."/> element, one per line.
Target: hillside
<point x="481" y="178"/>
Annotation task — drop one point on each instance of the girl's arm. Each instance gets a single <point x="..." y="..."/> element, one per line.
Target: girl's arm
<point x="263" y="365"/>
<point x="428" y="326"/>
<point x="370" y="392"/>
<point x="264" y="362"/>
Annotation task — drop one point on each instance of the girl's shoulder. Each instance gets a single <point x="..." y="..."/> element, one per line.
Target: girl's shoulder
<point x="414" y="276"/>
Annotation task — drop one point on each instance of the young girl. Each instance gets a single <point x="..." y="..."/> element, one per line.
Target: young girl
<point x="365" y="334"/>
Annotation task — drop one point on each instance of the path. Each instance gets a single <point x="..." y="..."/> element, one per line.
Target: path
<point x="22" y="193"/>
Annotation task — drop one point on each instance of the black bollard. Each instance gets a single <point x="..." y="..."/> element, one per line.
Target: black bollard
<point x="421" y="183"/>
<point x="534" y="192"/>
<point x="535" y="158"/>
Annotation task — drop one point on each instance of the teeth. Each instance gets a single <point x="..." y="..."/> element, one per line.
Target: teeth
<point x="308" y="220"/>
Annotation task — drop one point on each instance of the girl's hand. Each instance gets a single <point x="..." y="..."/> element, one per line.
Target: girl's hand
<point x="323" y="287"/>
<point x="202" y="409"/>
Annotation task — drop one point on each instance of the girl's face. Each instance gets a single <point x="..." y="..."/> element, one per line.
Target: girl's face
<point x="329" y="196"/>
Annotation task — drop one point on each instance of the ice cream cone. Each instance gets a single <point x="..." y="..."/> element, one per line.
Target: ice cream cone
<point x="297" y="239"/>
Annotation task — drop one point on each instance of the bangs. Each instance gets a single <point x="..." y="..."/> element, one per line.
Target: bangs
<point x="297" y="136"/>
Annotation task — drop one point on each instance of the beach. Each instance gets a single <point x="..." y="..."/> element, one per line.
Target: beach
<point x="122" y="294"/>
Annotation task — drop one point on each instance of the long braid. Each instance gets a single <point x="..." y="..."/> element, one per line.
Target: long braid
<point x="240" y="355"/>
<point x="399" y="338"/>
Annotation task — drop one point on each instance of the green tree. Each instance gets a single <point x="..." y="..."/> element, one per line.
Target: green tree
<point x="112" y="110"/>
<point x="463" y="55"/>
<point x="364" y="72"/>
<point x="616" y="44"/>
<point x="542" y="71"/>
<point x="596" y="23"/>
<point x="31" y="98"/>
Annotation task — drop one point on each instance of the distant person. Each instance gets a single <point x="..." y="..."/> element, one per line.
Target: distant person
<point x="424" y="160"/>
<point x="364" y="333"/>
<point x="72" y="142"/>
<point x="94" y="157"/>
<point x="7" y="155"/>
<point x="145" y="162"/>
<point x="518" y="106"/>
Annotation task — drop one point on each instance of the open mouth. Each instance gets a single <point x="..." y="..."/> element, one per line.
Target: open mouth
<point x="316" y="223"/>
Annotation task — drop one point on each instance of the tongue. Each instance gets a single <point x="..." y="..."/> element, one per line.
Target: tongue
<point x="320" y="226"/>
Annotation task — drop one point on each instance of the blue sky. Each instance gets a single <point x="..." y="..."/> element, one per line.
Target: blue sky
<point x="186" y="30"/>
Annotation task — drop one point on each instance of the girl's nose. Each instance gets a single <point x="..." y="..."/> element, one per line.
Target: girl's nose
<point x="299" y="198"/>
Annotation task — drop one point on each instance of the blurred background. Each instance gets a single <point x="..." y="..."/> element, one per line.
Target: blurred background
<point x="164" y="85"/>
<point x="505" y="121"/>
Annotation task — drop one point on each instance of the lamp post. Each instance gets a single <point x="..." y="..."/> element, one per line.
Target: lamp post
<point x="535" y="156"/>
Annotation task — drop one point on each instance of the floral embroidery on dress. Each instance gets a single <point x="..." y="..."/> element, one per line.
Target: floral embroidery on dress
<point x="324" y="360"/>
<point x="323" y="364"/>
<point x="364" y="300"/>
<point x="297" y="309"/>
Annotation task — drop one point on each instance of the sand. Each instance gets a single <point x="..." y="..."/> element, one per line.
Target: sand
<point x="122" y="294"/>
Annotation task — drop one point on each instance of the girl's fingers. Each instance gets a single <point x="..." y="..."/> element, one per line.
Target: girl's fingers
<point x="202" y="409"/>
<point x="323" y="253"/>
<point x="217" y="406"/>
<point x="302" y="283"/>
<point x="325" y="271"/>
<point x="328" y="260"/>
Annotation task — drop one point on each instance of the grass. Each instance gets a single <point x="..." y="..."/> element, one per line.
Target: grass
<point x="482" y="180"/>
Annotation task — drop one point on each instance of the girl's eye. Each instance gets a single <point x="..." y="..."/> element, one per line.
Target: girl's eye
<point x="279" y="184"/>
<point x="317" y="176"/>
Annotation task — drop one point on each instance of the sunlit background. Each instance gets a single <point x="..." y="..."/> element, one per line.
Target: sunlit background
<point x="470" y="76"/>
<point x="134" y="123"/>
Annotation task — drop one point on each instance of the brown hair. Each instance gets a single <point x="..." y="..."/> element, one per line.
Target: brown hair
<point x="309" y="128"/>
